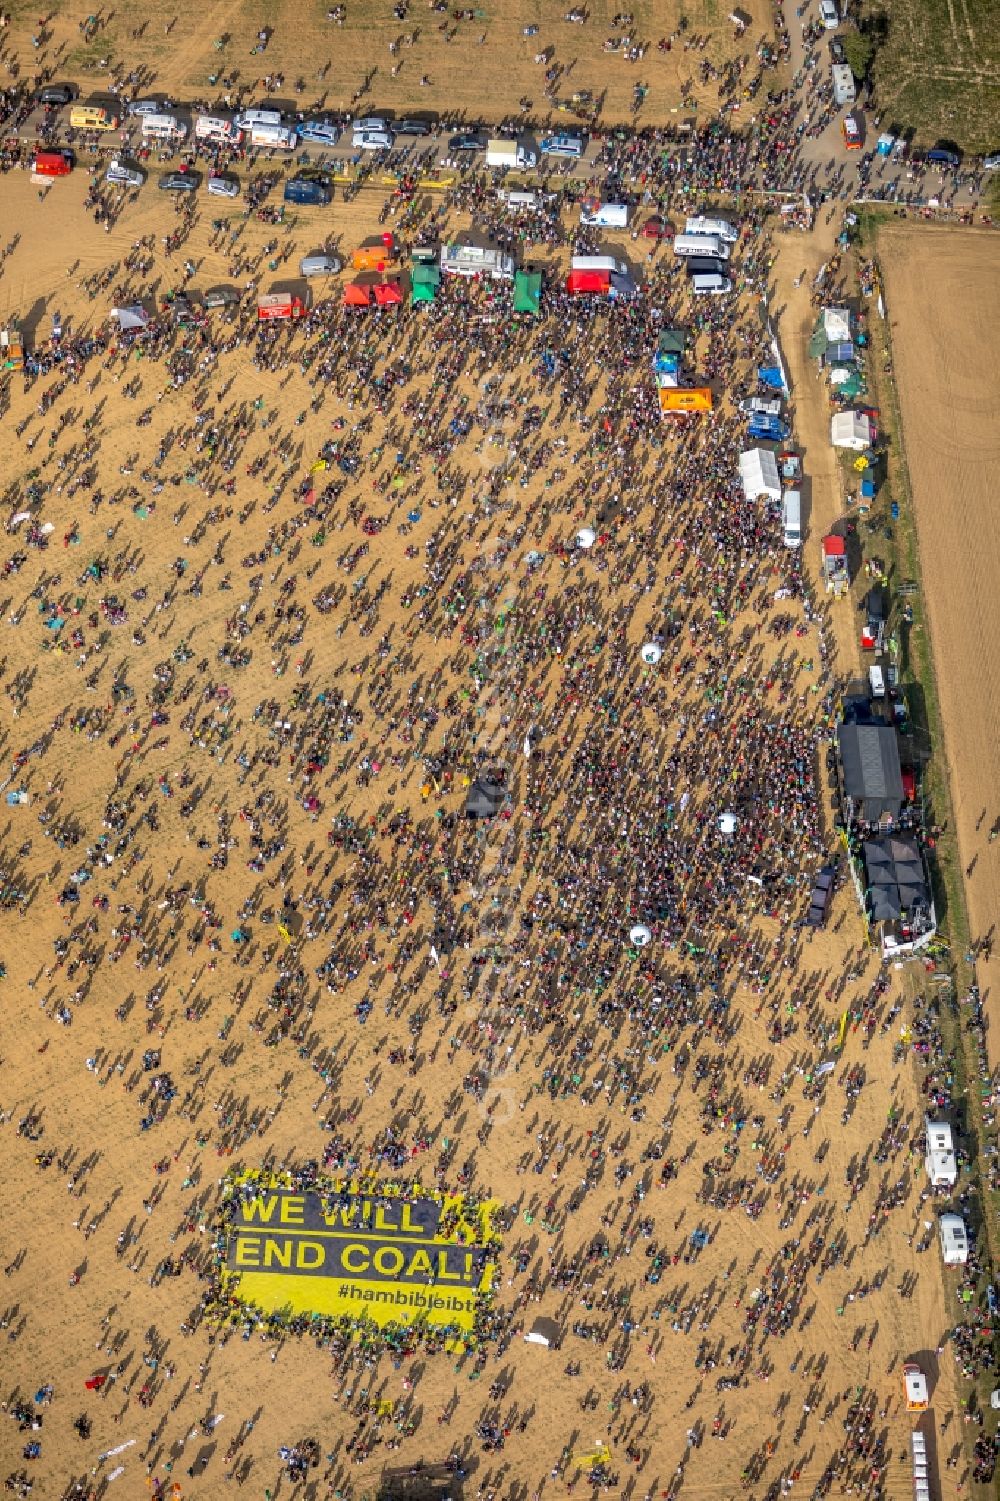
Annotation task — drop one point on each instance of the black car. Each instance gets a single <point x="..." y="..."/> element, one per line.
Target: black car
<point x="411" y="128"/>
<point x="310" y="190"/>
<point x="179" y="182"/>
<point x="837" y="50"/>
<point x="466" y="143"/>
<point x="54" y="93"/>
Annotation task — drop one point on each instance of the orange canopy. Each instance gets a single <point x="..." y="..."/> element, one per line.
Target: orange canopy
<point x="357" y="294"/>
<point x="685" y="399"/>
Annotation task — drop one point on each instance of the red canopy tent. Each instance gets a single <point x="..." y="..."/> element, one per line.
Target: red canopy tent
<point x="596" y="283"/>
<point x="388" y="293"/>
<point x="357" y="294"/>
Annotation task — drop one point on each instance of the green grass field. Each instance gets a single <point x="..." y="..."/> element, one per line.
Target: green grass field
<point x="938" y="70"/>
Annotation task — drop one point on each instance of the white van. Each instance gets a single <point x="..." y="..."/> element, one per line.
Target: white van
<point x="706" y="245"/>
<point x="477" y="260"/>
<point x="163" y="128"/>
<point x="214" y="128"/>
<point x="710" y="285"/>
<point x="876" y="681"/>
<point x="520" y="200"/>
<point x="607" y="263"/>
<point x="605" y="216"/>
<point x="278" y="137"/>
<point x="698" y="224"/>
<point x="248" y="118"/>
<point x="791" y="518"/>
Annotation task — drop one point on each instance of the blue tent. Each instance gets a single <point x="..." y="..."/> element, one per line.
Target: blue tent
<point x="770" y="375"/>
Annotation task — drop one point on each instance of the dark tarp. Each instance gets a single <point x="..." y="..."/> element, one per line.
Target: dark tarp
<point x="869" y="755"/>
<point x="486" y="798"/>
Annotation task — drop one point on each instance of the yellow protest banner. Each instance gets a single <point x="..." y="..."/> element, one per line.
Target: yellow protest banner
<point x="395" y="1256"/>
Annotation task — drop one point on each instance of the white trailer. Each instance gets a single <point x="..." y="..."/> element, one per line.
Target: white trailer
<point x="844" y="91"/>
<point x="510" y="155"/>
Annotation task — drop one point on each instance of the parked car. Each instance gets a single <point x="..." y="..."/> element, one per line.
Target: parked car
<point x="124" y="176"/>
<point x="569" y="146"/>
<point x="54" y="93"/>
<point x="146" y="106"/>
<point x="657" y="228"/>
<point x="223" y="187"/>
<point x="837" y="51"/>
<point x="943" y="156"/>
<point x="179" y="182"/>
<point x="221" y="297"/>
<point x="411" y="128"/>
<point x="372" y="140"/>
<point x="371" y="122"/>
<point x="308" y="190"/>
<point x="319" y="132"/>
<point x="829" y="14"/>
<point x="466" y="143"/>
<point x="822" y="896"/>
<point x="320" y="265"/>
<point x="991" y="163"/>
<point x="770" y="406"/>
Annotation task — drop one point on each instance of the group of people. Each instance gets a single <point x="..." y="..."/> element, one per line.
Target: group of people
<point x="358" y="566"/>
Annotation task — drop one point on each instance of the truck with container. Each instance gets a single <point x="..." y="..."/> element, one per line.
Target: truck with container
<point x="511" y="156"/>
<point x="844" y="90"/>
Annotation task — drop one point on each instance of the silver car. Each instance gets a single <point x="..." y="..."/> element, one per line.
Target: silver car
<point x="223" y="187"/>
<point x="124" y="176"/>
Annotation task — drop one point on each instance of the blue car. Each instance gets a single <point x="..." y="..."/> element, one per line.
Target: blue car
<point x="770" y="429"/>
<point x="307" y="190"/>
<point x="319" y="132"/>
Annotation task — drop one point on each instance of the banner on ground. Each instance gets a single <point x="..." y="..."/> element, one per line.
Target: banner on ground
<point x="393" y="1258"/>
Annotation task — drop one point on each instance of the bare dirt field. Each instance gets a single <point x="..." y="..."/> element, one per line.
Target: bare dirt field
<point x="235" y="679"/>
<point x="480" y="65"/>
<point x="945" y="322"/>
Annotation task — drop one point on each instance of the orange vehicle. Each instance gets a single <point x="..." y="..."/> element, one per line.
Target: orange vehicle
<point x="914" y="1388"/>
<point x="52" y="163"/>
<point x="371" y="258"/>
<point x="851" y="133"/>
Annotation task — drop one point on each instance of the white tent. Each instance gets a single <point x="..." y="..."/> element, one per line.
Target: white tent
<point x="130" y="319"/>
<point x="759" y="474"/>
<point x="837" y="325"/>
<point x="850" y="430"/>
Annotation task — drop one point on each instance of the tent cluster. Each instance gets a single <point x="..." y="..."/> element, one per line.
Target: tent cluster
<point x="584" y="283"/>
<point x="368" y="293"/>
<point x="839" y="352"/>
<point x="674" y="396"/>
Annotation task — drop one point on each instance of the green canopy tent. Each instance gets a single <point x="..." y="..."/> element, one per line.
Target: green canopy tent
<point x="671" y="341"/>
<point x="528" y="292"/>
<point x="424" y="282"/>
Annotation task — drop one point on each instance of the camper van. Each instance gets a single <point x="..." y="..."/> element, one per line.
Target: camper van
<point x="608" y="263"/>
<point x="706" y="245"/>
<point x="605" y="216"/>
<point x="93" y="117"/>
<point x="251" y="117"/>
<point x="214" y="128"/>
<point x="710" y="284"/>
<point x="163" y="128"/>
<point x="698" y="224"/>
<point x="791" y="518"/>
<point x="275" y="137"/>
<point x="954" y="1240"/>
<point x="477" y="260"/>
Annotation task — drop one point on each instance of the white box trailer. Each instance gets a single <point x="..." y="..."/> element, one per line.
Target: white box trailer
<point x="844" y="91"/>
<point x="510" y="155"/>
<point x="940" y="1162"/>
